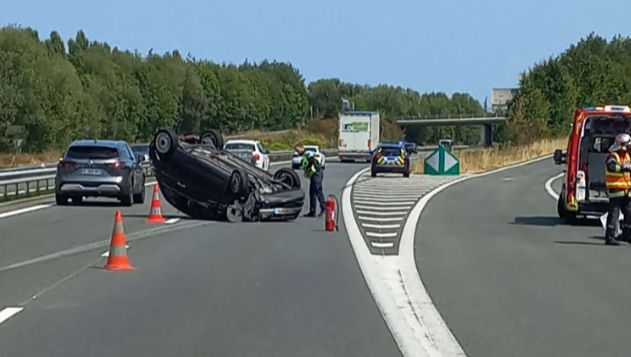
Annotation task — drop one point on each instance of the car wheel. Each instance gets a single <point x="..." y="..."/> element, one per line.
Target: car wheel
<point x="127" y="198"/>
<point x="165" y="141"/>
<point x="234" y="212"/>
<point x="238" y="183"/>
<point x="140" y="197"/>
<point x="564" y="214"/>
<point x="212" y="137"/>
<point x="406" y="174"/>
<point x="287" y="176"/>
<point x="61" y="200"/>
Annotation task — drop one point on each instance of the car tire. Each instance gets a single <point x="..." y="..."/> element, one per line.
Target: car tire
<point x="165" y="142"/>
<point x="212" y="137"/>
<point x="287" y="176"/>
<point x="127" y="198"/>
<point x="61" y="200"/>
<point x="406" y="174"/>
<point x="567" y="216"/>
<point x="140" y="197"/>
<point x="238" y="183"/>
<point x="234" y="213"/>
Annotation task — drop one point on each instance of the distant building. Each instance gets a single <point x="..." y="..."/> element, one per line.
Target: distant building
<point x="500" y="98"/>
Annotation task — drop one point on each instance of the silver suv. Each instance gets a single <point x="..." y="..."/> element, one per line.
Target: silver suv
<point x="93" y="168"/>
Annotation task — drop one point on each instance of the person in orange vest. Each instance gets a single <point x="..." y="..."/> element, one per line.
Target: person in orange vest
<point x="619" y="188"/>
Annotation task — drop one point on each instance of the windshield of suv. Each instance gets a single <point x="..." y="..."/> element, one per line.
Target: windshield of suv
<point x="239" y="146"/>
<point x="91" y="152"/>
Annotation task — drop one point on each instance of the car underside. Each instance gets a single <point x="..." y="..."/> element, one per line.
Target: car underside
<point x="204" y="181"/>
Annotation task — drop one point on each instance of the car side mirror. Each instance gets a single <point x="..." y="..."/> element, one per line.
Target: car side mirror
<point x="140" y="158"/>
<point x="559" y="157"/>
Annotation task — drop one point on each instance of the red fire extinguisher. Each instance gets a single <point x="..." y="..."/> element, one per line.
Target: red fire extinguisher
<point x="330" y="220"/>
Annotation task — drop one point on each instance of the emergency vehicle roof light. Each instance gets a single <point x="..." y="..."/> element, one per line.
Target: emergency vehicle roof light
<point x="618" y="108"/>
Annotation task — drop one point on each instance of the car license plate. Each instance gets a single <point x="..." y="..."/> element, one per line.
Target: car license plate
<point x="92" y="172"/>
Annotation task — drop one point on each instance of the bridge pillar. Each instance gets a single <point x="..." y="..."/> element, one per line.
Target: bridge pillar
<point x="486" y="135"/>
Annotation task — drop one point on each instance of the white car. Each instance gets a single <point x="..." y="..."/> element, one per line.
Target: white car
<point x="296" y="161"/>
<point x="259" y="156"/>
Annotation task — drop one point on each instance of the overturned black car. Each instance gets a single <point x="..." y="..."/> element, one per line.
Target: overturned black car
<point x="204" y="181"/>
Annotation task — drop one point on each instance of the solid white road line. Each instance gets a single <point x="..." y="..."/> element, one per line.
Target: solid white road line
<point x="379" y="213"/>
<point x="549" y="188"/>
<point x="25" y="210"/>
<point x="8" y="312"/>
<point x="380" y="219"/>
<point x="384" y="281"/>
<point x="172" y="221"/>
<point x="383" y="208"/>
<point x="381" y="226"/>
<point x="387" y="198"/>
<point x="381" y="235"/>
<point x="410" y="202"/>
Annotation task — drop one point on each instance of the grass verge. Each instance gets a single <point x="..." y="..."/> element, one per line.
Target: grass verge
<point x="486" y="159"/>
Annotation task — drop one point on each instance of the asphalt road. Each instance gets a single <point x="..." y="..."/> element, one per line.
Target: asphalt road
<point x="510" y="279"/>
<point x="203" y="288"/>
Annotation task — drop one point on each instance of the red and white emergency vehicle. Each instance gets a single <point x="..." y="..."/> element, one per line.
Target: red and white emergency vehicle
<point x="594" y="130"/>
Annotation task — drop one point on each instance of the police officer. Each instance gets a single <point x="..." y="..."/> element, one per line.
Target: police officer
<point x="311" y="164"/>
<point x="619" y="188"/>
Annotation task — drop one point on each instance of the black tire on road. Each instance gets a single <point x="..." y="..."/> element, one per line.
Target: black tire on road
<point x="127" y="198"/>
<point x="234" y="212"/>
<point x="140" y="196"/>
<point x="61" y="200"/>
<point x="288" y="176"/>
<point x="238" y="183"/>
<point x="564" y="214"/>
<point x="212" y="137"/>
<point x="165" y="142"/>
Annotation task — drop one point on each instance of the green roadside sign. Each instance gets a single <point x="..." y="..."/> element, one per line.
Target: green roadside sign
<point x="441" y="162"/>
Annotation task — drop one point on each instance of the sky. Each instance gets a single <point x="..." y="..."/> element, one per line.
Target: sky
<point x="443" y="45"/>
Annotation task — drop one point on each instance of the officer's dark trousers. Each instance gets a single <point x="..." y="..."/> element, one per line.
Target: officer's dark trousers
<point x="617" y="205"/>
<point x="315" y="191"/>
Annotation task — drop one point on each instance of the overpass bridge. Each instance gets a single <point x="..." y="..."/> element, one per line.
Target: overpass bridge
<point x="486" y="124"/>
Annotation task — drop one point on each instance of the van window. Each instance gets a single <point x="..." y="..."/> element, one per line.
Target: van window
<point x="602" y="144"/>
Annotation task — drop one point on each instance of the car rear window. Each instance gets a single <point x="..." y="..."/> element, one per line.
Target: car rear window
<point x="391" y="151"/>
<point x="239" y="146"/>
<point x="91" y="152"/>
<point x="140" y="149"/>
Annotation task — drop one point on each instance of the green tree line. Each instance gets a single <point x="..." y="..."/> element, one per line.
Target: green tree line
<point x="53" y="92"/>
<point x="592" y="72"/>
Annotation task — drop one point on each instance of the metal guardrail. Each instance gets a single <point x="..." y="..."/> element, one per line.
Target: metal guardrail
<point x="26" y="186"/>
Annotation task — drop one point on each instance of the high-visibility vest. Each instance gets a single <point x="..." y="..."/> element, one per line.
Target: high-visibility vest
<point x="618" y="181"/>
<point x="310" y="170"/>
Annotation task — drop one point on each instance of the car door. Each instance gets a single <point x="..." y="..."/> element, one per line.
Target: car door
<point x="135" y="171"/>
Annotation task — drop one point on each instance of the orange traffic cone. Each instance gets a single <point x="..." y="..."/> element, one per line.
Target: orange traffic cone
<point x="117" y="259"/>
<point x="155" y="215"/>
